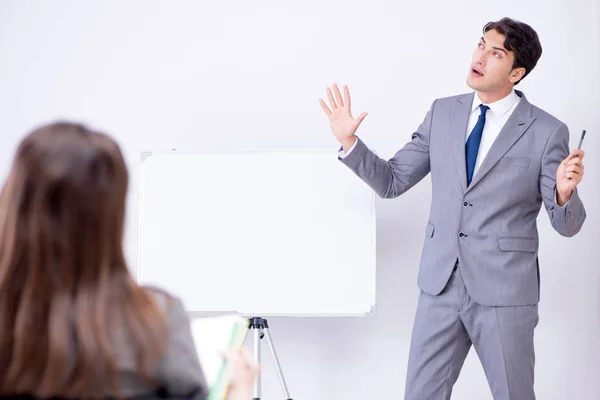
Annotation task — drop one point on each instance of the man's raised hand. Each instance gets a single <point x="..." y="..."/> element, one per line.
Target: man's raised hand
<point x="343" y="124"/>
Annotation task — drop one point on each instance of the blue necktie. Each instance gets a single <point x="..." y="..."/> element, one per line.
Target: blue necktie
<point x="472" y="146"/>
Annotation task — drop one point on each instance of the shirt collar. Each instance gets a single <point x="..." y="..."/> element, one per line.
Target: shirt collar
<point x="499" y="107"/>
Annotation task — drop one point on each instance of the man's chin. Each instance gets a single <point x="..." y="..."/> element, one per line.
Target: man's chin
<point x="473" y="85"/>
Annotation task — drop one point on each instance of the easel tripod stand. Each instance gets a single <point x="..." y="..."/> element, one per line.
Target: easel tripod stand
<point x="261" y="329"/>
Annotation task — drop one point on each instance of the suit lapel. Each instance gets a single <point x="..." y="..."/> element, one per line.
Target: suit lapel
<point x="461" y="108"/>
<point x="515" y="127"/>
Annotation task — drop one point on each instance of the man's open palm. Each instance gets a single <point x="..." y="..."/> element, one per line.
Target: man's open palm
<point x="340" y="117"/>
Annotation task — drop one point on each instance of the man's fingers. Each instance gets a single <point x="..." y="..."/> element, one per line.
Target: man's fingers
<point x="347" y="101"/>
<point x="360" y="118"/>
<point x="575" y="153"/>
<point x="575" y="168"/>
<point x="575" y="161"/>
<point x="324" y="107"/>
<point x="331" y="100"/>
<point x="574" y="175"/>
<point x="338" y="95"/>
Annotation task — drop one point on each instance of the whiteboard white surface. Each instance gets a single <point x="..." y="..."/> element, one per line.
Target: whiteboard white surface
<point x="258" y="232"/>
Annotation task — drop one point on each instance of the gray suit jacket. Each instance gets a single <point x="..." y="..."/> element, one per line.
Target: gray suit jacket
<point x="489" y="226"/>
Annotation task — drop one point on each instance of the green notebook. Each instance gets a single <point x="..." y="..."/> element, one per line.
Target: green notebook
<point x="211" y="336"/>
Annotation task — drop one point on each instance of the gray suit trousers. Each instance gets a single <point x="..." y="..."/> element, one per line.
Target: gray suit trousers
<point x="448" y="324"/>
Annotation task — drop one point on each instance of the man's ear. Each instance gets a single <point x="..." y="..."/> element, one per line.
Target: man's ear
<point x="517" y="74"/>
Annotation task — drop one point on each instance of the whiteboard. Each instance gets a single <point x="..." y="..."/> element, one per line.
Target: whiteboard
<point x="289" y="233"/>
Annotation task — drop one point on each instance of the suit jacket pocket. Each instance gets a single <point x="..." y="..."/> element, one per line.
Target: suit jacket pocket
<point x="528" y="245"/>
<point x="430" y="229"/>
<point x="515" y="161"/>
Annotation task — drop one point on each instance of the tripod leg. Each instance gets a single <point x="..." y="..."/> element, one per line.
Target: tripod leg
<point x="277" y="365"/>
<point x="257" y="334"/>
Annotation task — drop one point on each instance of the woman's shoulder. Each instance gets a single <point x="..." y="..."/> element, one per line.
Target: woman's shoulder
<point x="166" y="301"/>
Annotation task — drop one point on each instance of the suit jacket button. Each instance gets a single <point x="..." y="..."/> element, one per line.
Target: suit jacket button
<point x="461" y="235"/>
<point x="466" y="203"/>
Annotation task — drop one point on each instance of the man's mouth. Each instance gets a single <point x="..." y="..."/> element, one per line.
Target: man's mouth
<point x="476" y="72"/>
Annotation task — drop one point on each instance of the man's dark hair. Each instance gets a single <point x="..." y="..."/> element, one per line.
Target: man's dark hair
<point x="521" y="39"/>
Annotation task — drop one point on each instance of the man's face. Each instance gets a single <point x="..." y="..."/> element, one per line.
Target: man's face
<point x="491" y="67"/>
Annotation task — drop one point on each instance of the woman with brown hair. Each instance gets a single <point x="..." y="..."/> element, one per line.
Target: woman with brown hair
<point x="73" y="321"/>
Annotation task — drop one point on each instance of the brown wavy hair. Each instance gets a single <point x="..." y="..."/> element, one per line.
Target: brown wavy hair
<point x="65" y="288"/>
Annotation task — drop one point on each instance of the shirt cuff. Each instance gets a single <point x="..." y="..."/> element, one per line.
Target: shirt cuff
<point x="344" y="154"/>
<point x="556" y="199"/>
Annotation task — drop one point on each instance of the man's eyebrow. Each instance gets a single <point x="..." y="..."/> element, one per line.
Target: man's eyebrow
<point x="496" y="48"/>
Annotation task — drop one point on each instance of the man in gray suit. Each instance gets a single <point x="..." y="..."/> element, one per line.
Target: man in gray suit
<point x="494" y="160"/>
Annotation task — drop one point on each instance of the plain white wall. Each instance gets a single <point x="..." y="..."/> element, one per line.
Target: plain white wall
<point x="247" y="75"/>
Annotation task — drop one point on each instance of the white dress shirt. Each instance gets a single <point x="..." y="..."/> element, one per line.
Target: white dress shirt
<point x="495" y="118"/>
